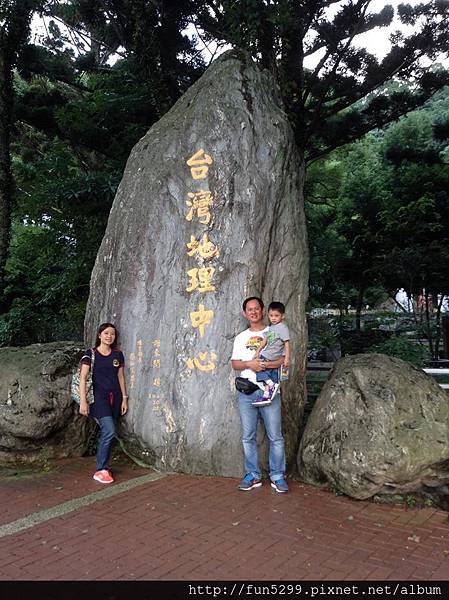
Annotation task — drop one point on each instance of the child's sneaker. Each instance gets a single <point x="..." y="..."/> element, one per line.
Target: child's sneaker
<point x="103" y="476"/>
<point x="266" y="393"/>
<point x="274" y="390"/>
<point x="261" y="401"/>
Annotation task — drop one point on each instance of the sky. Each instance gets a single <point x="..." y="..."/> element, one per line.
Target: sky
<point x="376" y="41"/>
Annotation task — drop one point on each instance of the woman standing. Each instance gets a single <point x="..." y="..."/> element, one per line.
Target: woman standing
<point x="110" y="396"/>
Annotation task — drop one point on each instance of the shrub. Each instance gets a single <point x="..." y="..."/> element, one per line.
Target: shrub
<point x="401" y="347"/>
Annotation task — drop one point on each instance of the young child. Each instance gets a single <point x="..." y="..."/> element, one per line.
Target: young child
<point x="275" y="345"/>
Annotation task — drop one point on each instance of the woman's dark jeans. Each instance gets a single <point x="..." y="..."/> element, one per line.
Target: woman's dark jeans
<point x="105" y="440"/>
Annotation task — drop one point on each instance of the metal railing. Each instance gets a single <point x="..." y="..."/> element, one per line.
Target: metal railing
<point x="445" y="386"/>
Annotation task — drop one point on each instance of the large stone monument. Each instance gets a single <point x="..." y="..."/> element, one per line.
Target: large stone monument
<point x="379" y="426"/>
<point x="209" y="211"/>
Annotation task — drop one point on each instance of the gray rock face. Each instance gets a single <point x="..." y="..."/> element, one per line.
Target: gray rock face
<point x="38" y="419"/>
<point x="209" y="211"/>
<point x="378" y="426"/>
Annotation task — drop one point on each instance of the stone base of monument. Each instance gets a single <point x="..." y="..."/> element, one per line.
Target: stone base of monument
<point x="38" y="419"/>
<point x="379" y="426"/>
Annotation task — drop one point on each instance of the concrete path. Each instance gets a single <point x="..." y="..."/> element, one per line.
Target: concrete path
<point x="62" y="525"/>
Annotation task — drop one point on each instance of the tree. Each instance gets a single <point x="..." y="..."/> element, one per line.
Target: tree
<point x="149" y="36"/>
<point x="381" y="217"/>
<point x="83" y="97"/>
<point x="329" y="250"/>
<point x="344" y="193"/>
<point x="15" y="17"/>
<point x="414" y="253"/>
<point x="363" y="194"/>
<point x="344" y="96"/>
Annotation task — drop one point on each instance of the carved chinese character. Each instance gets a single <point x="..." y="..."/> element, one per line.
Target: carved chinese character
<point x="200" y="363"/>
<point x="200" y="202"/>
<point x="204" y="248"/>
<point x="157" y="382"/>
<point x="201" y="279"/>
<point x="201" y="318"/>
<point x="198" y="164"/>
<point x="157" y="363"/>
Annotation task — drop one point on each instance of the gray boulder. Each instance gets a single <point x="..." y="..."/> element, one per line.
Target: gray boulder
<point x="38" y="420"/>
<point x="209" y="211"/>
<point x="379" y="426"/>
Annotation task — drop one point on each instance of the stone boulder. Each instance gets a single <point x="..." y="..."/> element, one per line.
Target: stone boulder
<point x="209" y="211"/>
<point x="38" y="420"/>
<point x="379" y="426"/>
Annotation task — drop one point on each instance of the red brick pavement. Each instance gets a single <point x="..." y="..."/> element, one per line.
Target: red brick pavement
<point x="31" y="491"/>
<point x="189" y="528"/>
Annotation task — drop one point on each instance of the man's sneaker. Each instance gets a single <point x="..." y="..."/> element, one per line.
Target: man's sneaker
<point x="249" y="482"/>
<point x="261" y="401"/>
<point x="280" y="485"/>
<point x="103" y="476"/>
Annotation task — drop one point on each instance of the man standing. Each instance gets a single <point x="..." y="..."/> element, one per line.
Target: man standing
<point x="242" y="360"/>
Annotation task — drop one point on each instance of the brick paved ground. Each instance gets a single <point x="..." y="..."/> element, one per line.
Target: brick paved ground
<point x="186" y="528"/>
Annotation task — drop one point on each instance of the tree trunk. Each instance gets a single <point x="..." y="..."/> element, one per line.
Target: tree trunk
<point x="6" y="100"/>
<point x="358" y="310"/>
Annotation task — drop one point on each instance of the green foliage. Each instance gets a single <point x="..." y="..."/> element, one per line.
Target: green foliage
<point x="328" y="249"/>
<point x="411" y="502"/>
<point x="401" y="347"/>
<point x="343" y="194"/>
<point x="418" y="213"/>
<point x="323" y="333"/>
<point x="379" y="217"/>
<point x="85" y="94"/>
<point x="59" y="220"/>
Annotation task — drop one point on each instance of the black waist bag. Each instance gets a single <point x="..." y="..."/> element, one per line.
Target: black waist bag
<point x="245" y="385"/>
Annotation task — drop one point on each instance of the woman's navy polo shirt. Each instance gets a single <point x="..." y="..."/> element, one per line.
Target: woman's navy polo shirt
<point x="107" y="392"/>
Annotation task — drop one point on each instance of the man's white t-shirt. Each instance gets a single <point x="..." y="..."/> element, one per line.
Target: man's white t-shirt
<point x="245" y="346"/>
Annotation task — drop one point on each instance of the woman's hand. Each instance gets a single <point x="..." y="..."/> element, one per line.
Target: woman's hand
<point x="124" y="406"/>
<point x="84" y="408"/>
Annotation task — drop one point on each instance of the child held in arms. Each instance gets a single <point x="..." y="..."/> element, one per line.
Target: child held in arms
<point x="275" y="345"/>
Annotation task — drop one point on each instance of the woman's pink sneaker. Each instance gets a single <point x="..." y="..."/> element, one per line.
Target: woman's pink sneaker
<point x="103" y="476"/>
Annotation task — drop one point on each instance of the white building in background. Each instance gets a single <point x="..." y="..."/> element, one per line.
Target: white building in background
<point x="403" y="299"/>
